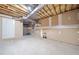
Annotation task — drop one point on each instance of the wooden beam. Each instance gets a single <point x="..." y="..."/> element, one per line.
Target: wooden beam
<point x="15" y="6"/>
<point x="49" y="9"/>
<point x="54" y="9"/>
<point x="68" y="7"/>
<point x="5" y="10"/>
<point x="60" y="7"/>
<point x="16" y="9"/>
<point x="46" y="10"/>
<point x="22" y="8"/>
<point x="65" y="7"/>
<point x="54" y="15"/>
<point x="71" y="6"/>
<point x="57" y="8"/>
<point x="46" y="14"/>
<point x="41" y="13"/>
<point x="10" y="11"/>
<point x="64" y="10"/>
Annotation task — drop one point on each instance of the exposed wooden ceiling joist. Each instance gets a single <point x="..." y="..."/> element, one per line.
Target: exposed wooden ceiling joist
<point x="43" y="12"/>
<point x="22" y="7"/>
<point x="63" y="8"/>
<point x="11" y="10"/>
<point x="5" y="10"/>
<point x="55" y="9"/>
<point x="52" y="9"/>
<point x="68" y="7"/>
<point x="46" y="10"/>
<point x="40" y="13"/>
<point x="15" y="8"/>
<point x="49" y="9"/>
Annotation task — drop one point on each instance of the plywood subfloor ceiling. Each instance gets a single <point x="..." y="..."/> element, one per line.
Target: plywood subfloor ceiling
<point x="12" y="10"/>
<point x="55" y="9"/>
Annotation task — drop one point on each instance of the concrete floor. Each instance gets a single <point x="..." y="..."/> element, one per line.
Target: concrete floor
<point x="32" y="45"/>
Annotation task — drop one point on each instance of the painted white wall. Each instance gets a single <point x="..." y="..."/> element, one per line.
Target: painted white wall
<point x="18" y="29"/>
<point x="8" y="28"/>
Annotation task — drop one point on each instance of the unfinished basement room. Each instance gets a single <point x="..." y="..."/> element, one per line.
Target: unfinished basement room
<point x="39" y="29"/>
